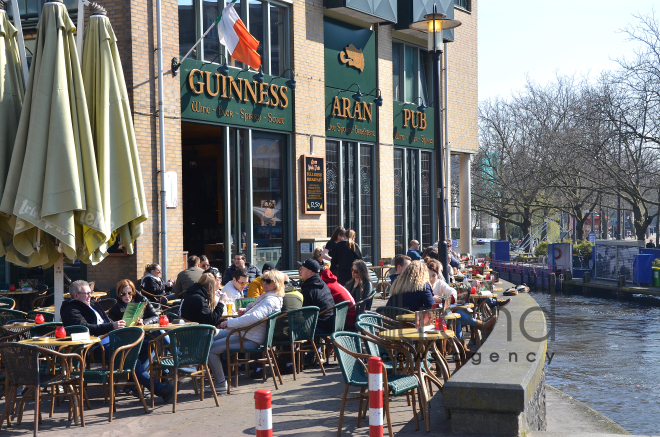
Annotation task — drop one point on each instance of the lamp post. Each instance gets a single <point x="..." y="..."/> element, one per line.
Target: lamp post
<point x="434" y="24"/>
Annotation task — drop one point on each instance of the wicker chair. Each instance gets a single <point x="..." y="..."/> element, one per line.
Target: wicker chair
<point x="42" y="301"/>
<point x="106" y="304"/>
<point x="353" y="363"/>
<point x="124" y="347"/>
<point x="7" y="315"/>
<point x="392" y="312"/>
<point x="302" y="326"/>
<point x="48" y="317"/>
<point x="7" y="303"/>
<point x="24" y="368"/>
<point x="189" y="346"/>
<point x="266" y="350"/>
<point x="339" y="318"/>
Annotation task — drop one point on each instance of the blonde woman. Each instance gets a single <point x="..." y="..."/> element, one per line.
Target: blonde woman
<point x="265" y="305"/>
<point x="343" y="256"/>
<point x="412" y="290"/>
<point x="200" y="303"/>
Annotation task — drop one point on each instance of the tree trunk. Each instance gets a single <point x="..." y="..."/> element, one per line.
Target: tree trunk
<point x="502" y="229"/>
<point x="579" y="229"/>
<point x="526" y="223"/>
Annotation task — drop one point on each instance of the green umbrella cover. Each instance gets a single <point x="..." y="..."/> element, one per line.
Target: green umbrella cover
<point x="118" y="164"/>
<point x="11" y="101"/>
<point x="53" y="184"/>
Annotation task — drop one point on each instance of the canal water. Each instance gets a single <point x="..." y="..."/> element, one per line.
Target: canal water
<point x="607" y="355"/>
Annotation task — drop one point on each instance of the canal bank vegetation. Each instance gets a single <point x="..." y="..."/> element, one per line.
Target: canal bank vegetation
<point x="576" y="145"/>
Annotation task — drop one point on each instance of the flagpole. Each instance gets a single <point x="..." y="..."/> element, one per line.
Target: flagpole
<point x="177" y="64"/>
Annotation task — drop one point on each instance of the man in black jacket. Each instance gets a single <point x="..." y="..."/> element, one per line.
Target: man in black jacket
<point x="81" y="311"/>
<point x="316" y="293"/>
<point x="240" y="263"/>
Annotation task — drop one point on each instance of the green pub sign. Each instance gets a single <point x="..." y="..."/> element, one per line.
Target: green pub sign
<point x="413" y="128"/>
<point x="235" y="98"/>
<point x="350" y="66"/>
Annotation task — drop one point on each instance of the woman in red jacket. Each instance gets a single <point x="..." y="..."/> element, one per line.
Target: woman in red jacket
<point x="340" y="294"/>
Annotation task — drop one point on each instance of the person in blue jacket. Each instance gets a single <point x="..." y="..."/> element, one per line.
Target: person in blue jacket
<point x="412" y="290"/>
<point x="413" y="251"/>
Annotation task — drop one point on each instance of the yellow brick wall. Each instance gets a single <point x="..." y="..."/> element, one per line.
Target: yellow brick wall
<point x="309" y="119"/>
<point x="463" y="101"/>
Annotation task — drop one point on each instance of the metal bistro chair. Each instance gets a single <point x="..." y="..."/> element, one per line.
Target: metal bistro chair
<point x="189" y="346"/>
<point x="339" y="318"/>
<point x="48" y="317"/>
<point x="124" y="347"/>
<point x="7" y="315"/>
<point x="353" y="363"/>
<point x="106" y="303"/>
<point x="23" y="367"/>
<point x="302" y="326"/>
<point x="243" y="303"/>
<point x="7" y="303"/>
<point x="266" y="349"/>
<point x="392" y="312"/>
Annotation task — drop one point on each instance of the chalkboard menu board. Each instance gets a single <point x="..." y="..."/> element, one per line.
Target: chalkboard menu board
<point x="313" y="184"/>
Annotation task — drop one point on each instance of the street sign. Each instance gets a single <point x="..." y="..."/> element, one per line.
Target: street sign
<point x="592" y="237"/>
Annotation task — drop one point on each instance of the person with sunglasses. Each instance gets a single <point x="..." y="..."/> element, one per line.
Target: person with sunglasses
<point x="268" y="303"/>
<point x="190" y="276"/>
<point x="152" y="282"/>
<point x="234" y="289"/>
<point x="256" y="287"/>
<point x="126" y="293"/>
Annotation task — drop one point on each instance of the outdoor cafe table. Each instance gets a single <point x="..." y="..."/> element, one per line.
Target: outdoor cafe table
<point x="411" y="317"/>
<point x="19" y="296"/>
<point x="20" y="326"/>
<point x="425" y="343"/>
<point x="482" y="300"/>
<point x="157" y="327"/>
<point x="380" y="274"/>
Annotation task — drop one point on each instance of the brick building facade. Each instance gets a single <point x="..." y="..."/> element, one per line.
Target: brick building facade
<point x="217" y="159"/>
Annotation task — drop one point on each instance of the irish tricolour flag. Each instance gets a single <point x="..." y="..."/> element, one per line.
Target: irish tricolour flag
<point x="234" y="35"/>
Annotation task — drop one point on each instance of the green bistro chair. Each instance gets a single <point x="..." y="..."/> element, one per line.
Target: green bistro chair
<point x="243" y="303"/>
<point x="302" y="327"/>
<point x="372" y="318"/>
<point x="266" y="350"/>
<point x="48" y="317"/>
<point x="189" y="346"/>
<point x="76" y="329"/>
<point x="124" y="347"/>
<point x="45" y="329"/>
<point x="7" y="303"/>
<point x="353" y="363"/>
<point x="392" y="312"/>
<point x="339" y="318"/>
<point x="7" y="315"/>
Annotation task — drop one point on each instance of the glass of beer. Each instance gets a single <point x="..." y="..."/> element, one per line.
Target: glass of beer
<point x="230" y="308"/>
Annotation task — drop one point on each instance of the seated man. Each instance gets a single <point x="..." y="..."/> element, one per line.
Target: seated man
<point x="190" y="276"/>
<point x="81" y="311"/>
<point x="240" y="263"/>
<point x="413" y="251"/>
<point x="316" y="293"/>
<point x="234" y="289"/>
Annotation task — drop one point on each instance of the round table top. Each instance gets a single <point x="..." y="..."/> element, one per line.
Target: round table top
<point x="157" y="327"/>
<point x="20" y="325"/>
<point x="411" y="317"/>
<point x="95" y="294"/>
<point x="50" y="309"/>
<point x="66" y="341"/>
<point x="18" y="291"/>
<point x="479" y="296"/>
<point x="415" y="335"/>
<point x="466" y="306"/>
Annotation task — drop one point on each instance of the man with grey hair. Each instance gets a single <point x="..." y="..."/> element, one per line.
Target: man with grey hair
<point x="80" y="310"/>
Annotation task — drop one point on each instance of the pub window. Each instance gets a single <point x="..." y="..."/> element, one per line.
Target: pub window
<point x="267" y="21"/>
<point x="31" y="11"/>
<point x="411" y="73"/>
<point x="464" y="4"/>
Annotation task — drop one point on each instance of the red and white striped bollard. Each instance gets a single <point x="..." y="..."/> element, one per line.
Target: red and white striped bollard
<point x="263" y="413"/>
<point x="375" y="397"/>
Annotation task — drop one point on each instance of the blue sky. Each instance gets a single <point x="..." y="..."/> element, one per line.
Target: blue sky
<point x="542" y="38"/>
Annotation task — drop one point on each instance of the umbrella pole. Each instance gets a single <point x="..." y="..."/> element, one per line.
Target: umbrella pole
<point x="19" y="39"/>
<point x="58" y="295"/>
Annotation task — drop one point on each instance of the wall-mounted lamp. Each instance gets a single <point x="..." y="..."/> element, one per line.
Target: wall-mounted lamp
<point x="291" y="83"/>
<point x="357" y="96"/>
<point x="422" y="107"/>
<point x="259" y="77"/>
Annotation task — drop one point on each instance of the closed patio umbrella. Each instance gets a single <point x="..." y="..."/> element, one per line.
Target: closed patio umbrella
<point x="52" y="186"/>
<point x="120" y="177"/>
<point x="11" y="101"/>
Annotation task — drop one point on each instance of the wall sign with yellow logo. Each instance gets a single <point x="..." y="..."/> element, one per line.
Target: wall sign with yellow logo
<point x="350" y="61"/>
<point x="236" y="98"/>
<point x="413" y="128"/>
<point x="313" y="184"/>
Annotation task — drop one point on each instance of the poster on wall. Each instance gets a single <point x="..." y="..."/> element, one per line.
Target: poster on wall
<point x="313" y="184"/>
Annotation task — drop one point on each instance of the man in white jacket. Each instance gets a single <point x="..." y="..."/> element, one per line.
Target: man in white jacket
<point x="268" y="303"/>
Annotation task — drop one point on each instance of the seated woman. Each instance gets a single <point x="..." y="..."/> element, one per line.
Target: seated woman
<point x="437" y="281"/>
<point x="265" y="305"/>
<point x="152" y="282"/>
<point x="127" y="294"/>
<point x="198" y="300"/>
<point x="360" y="285"/>
<point x="412" y="290"/>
